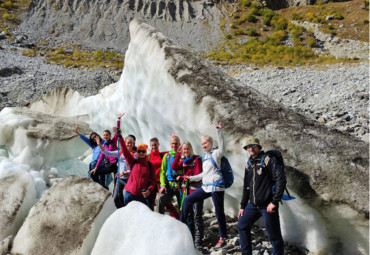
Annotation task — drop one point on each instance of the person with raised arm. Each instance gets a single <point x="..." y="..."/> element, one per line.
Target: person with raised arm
<point x="209" y="177"/>
<point x="142" y="174"/>
<point x="191" y="164"/>
<point x="91" y="142"/>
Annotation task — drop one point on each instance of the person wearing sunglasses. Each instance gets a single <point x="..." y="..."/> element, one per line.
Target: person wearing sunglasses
<point x="91" y="142"/>
<point x="142" y="179"/>
<point x="261" y="174"/>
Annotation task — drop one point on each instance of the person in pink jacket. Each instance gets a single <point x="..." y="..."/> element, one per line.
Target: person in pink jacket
<point x="190" y="165"/>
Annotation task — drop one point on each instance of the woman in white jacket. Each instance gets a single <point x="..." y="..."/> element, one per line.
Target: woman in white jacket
<point x="210" y="178"/>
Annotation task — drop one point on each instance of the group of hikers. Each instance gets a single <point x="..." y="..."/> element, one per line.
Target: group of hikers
<point x="140" y="176"/>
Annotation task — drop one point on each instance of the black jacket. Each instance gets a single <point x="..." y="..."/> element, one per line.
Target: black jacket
<point x="259" y="179"/>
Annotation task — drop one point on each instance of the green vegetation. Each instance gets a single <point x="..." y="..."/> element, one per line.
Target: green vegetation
<point x="79" y="59"/>
<point x="267" y="48"/>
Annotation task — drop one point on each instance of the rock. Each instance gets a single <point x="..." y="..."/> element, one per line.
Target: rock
<point x="322" y="119"/>
<point x="9" y="71"/>
<point x="329" y="17"/>
<point x="5" y="245"/>
<point x="17" y="196"/>
<point x="66" y="220"/>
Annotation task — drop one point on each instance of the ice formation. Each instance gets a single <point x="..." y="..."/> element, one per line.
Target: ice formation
<point x="155" y="105"/>
<point x="135" y="228"/>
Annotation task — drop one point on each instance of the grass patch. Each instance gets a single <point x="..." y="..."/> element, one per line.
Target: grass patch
<point x="11" y="11"/>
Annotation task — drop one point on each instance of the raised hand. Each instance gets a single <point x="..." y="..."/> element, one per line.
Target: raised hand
<point x="76" y="130"/>
<point x="97" y="139"/>
<point x="121" y="115"/>
<point x="219" y="125"/>
<point x="172" y="134"/>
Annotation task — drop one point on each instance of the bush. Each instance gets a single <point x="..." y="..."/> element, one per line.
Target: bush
<point x="228" y="36"/>
<point x="7" y="5"/>
<point x="296" y="16"/>
<point x="279" y="23"/>
<point x="239" y="31"/>
<point x="256" y="5"/>
<point x="311" y="42"/>
<point x="251" y="18"/>
<point x="236" y="16"/>
<point x="366" y="21"/>
<point x="252" y="32"/>
<point x="233" y="26"/>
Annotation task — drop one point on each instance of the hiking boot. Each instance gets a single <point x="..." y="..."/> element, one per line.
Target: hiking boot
<point x="221" y="243"/>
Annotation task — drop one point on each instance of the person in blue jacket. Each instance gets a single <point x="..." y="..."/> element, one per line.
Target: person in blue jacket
<point x="95" y="156"/>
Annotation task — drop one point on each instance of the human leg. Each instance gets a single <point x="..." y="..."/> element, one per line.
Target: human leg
<point x="218" y="202"/>
<point x="198" y="224"/>
<point x="245" y="223"/>
<point x="272" y="224"/>
<point x="118" y="193"/>
<point x="189" y="201"/>
<point x="164" y="199"/>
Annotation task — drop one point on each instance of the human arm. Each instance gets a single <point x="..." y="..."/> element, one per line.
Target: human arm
<point x="246" y="190"/>
<point x="177" y="162"/>
<point x="162" y="174"/>
<point x="218" y="153"/>
<point x="278" y="177"/>
<point x="126" y="154"/>
<point x="195" y="178"/>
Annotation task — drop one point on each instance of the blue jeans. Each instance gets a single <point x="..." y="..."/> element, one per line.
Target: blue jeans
<point x="131" y="197"/>
<point x="218" y="202"/>
<point x="272" y="223"/>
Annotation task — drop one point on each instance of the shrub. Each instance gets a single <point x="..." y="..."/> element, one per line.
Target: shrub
<point x="279" y="23"/>
<point x="233" y="26"/>
<point x="311" y="42"/>
<point x="228" y="36"/>
<point x="366" y="21"/>
<point x="256" y="5"/>
<point x="7" y="5"/>
<point x="255" y="12"/>
<point x="239" y="31"/>
<point x="60" y="50"/>
<point x="236" y="16"/>
<point x="251" y="18"/>
<point x="252" y="32"/>
<point x="296" y="16"/>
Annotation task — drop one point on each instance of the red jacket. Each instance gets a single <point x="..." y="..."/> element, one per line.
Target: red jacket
<point x="192" y="166"/>
<point x="142" y="177"/>
<point x="156" y="159"/>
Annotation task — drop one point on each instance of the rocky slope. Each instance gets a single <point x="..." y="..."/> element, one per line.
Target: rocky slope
<point x="104" y="24"/>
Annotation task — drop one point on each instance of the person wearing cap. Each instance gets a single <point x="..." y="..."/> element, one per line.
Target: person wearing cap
<point x="259" y="199"/>
<point x="142" y="175"/>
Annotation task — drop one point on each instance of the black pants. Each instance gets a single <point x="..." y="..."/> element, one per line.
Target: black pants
<point x="118" y="192"/>
<point x="100" y="173"/>
<point x="196" y="223"/>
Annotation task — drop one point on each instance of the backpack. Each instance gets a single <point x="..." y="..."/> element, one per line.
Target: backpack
<point x="226" y="172"/>
<point x="171" y="174"/>
<point x="280" y="162"/>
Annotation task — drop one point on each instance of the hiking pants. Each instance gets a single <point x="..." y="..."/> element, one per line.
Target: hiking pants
<point x="166" y="198"/>
<point x="218" y="202"/>
<point x="272" y="223"/>
<point x="196" y="223"/>
<point x="101" y="171"/>
<point x="131" y="197"/>
<point x="118" y="192"/>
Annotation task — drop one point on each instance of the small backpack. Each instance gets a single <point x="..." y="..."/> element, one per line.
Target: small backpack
<point x="226" y="172"/>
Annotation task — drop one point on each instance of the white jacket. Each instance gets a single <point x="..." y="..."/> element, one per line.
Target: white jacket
<point x="210" y="174"/>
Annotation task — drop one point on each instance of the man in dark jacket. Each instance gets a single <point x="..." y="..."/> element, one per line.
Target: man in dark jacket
<point x="261" y="174"/>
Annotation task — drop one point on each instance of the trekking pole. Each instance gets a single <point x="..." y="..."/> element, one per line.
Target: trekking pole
<point x="118" y="174"/>
<point x="184" y="183"/>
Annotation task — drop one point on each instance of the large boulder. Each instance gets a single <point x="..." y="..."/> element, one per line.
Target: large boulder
<point x="136" y="230"/>
<point x="17" y="196"/>
<point x="66" y="220"/>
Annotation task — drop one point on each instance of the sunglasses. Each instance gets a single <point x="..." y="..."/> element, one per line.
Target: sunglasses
<point x="141" y="151"/>
<point x="93" y="137"/>
<point x="250" y="146"/>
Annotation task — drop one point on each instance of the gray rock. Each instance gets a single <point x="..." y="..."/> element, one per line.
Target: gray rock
<point x="329" y="17"/>
<point x="5" y="245"/>
<point x="66" y="220"/>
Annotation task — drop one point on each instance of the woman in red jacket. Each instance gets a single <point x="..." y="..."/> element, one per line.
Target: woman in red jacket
<point x="142" y="175"/>
<point x="191" y="165"/>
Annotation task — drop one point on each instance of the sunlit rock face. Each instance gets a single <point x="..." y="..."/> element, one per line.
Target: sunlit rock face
<point x="77" y="20"/>
<point x="17" y="196"/>
<point x="66" y="220"/>
<point x="135" y="228"/>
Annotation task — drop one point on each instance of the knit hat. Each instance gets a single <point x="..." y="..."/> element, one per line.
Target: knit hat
<point x="142" y="147"/>
<point x="250" y="141"/>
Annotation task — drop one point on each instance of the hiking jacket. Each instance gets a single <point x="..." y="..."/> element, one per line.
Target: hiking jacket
<point x="108" y="146"/>
<point x="210" y="173"/>
<point x="164" y="178"/>
<point x="142" y="176"/>
<point x="156" y="157"/>
<point x="259" y="179"/>
<point x="189" y="166"/>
